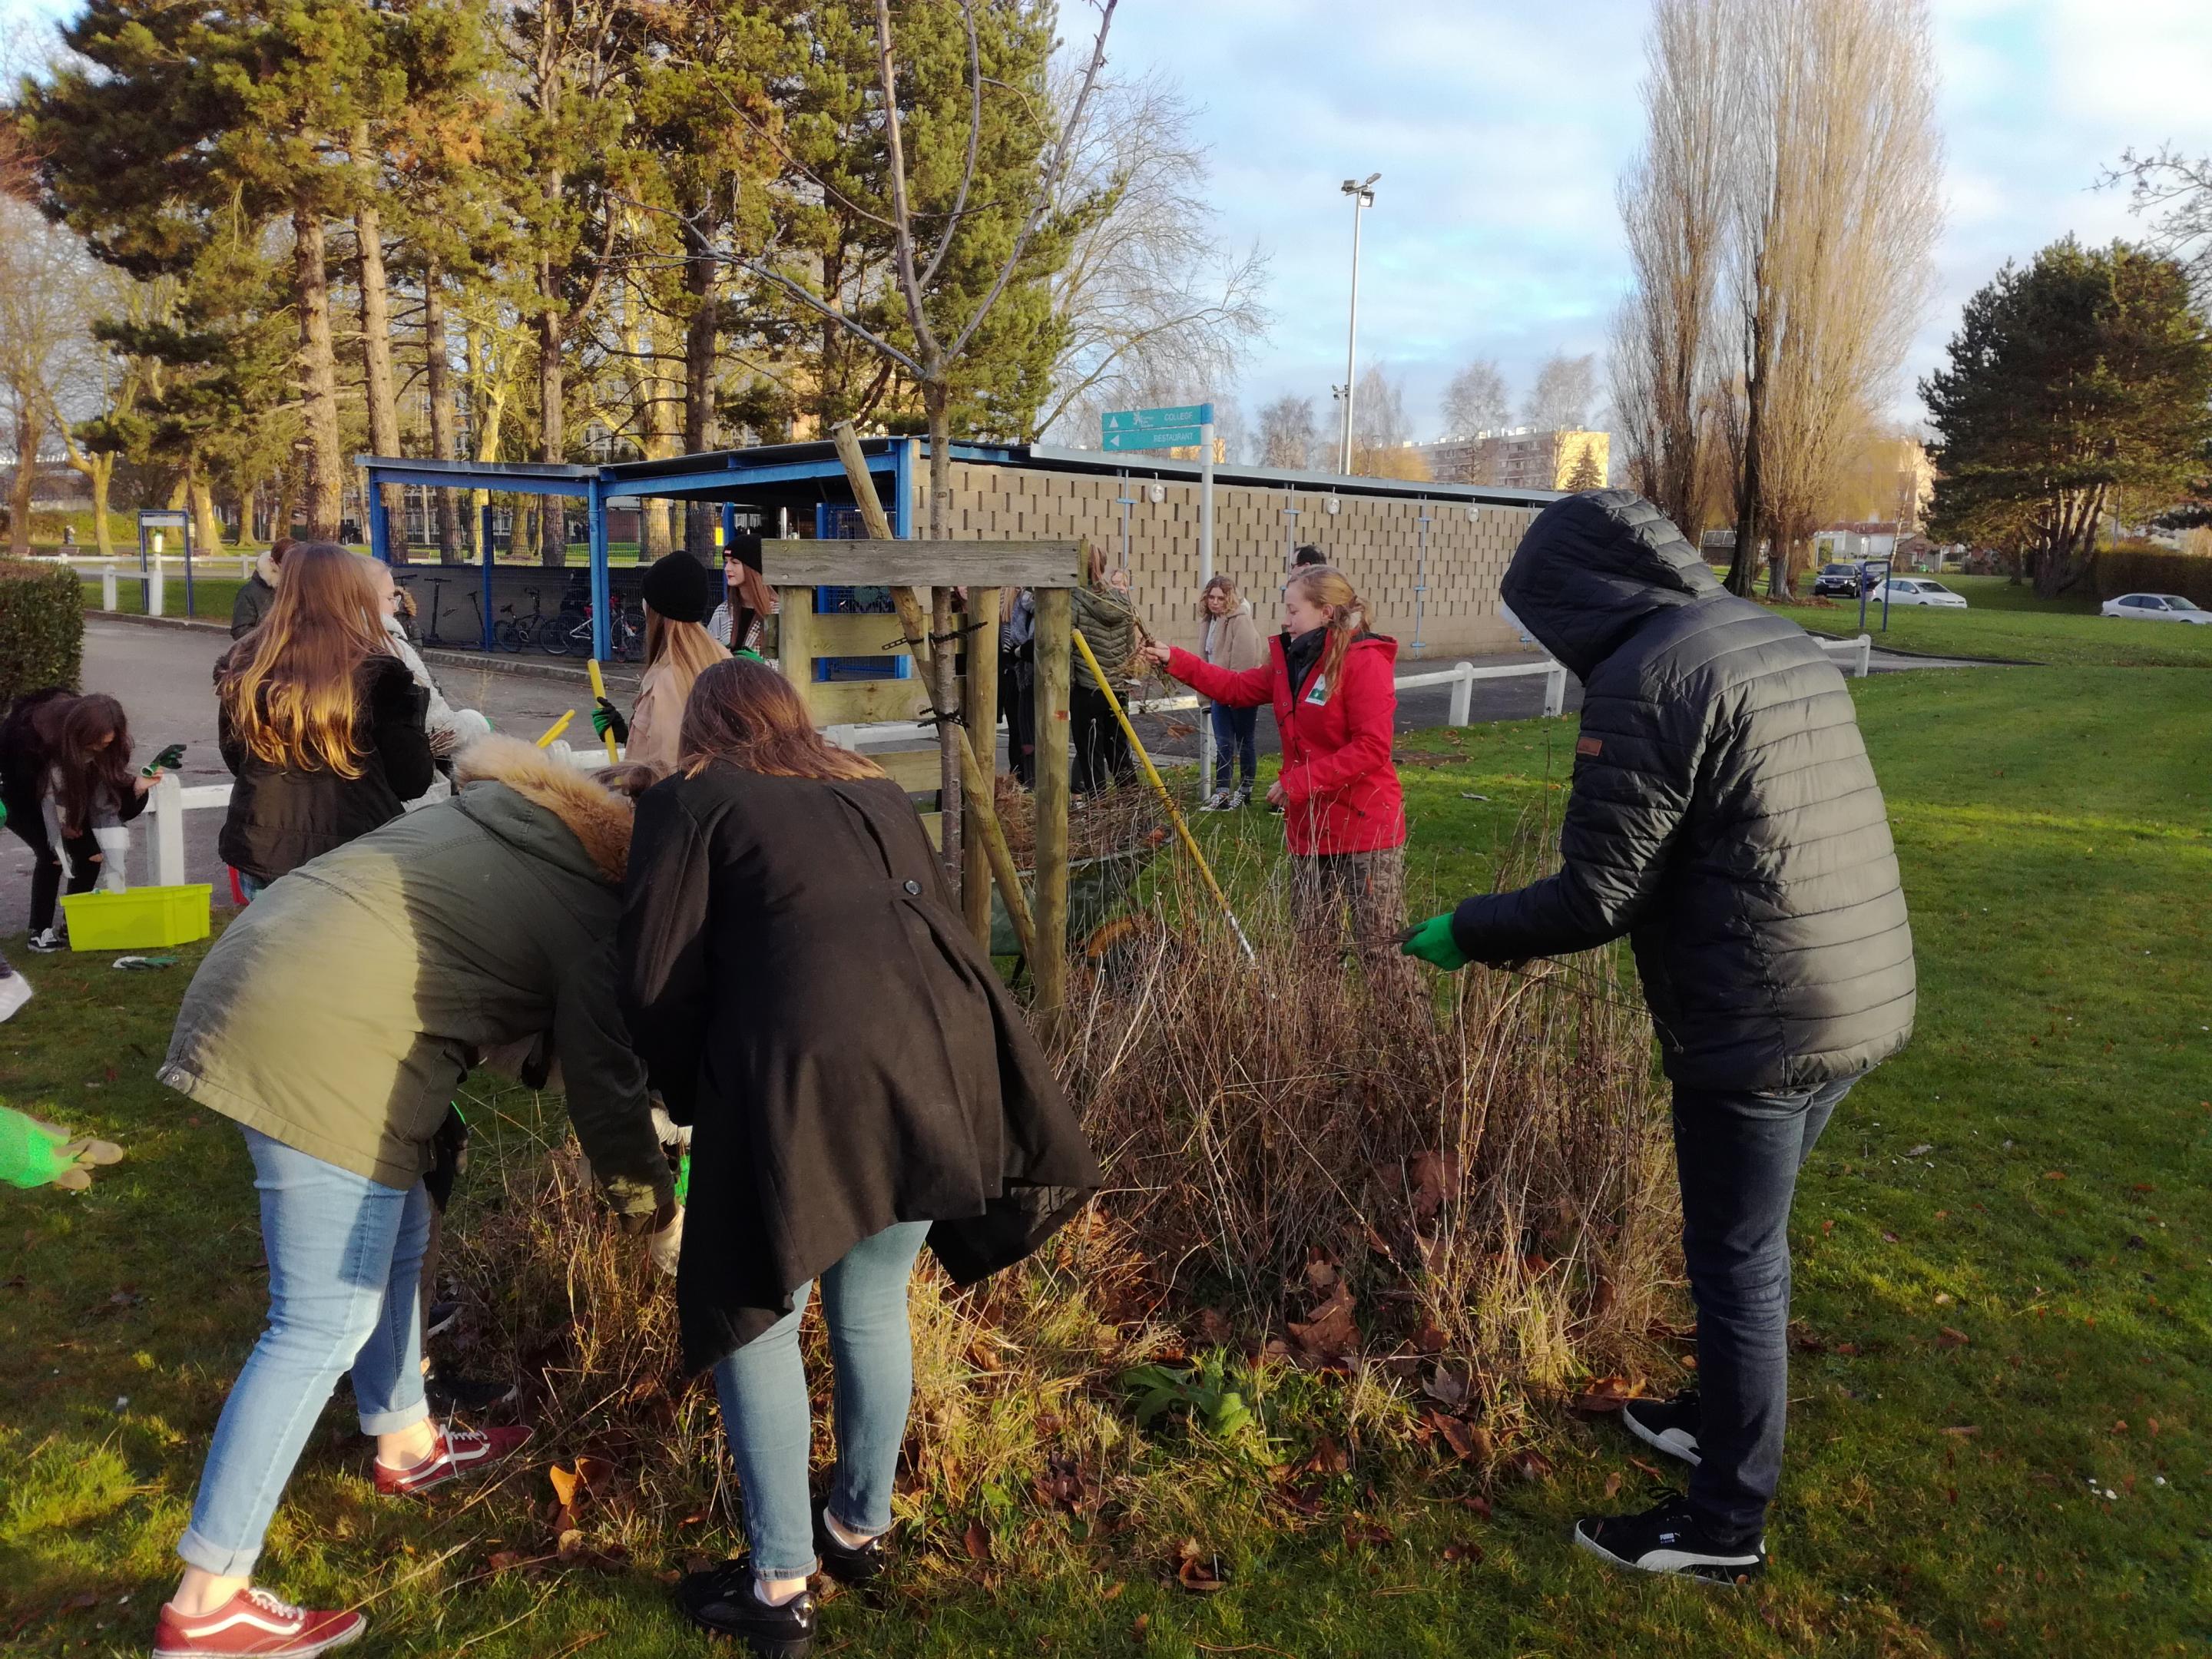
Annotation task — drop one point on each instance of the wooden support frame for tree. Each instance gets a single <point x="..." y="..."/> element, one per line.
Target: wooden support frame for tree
<point x="1052" y="569"/>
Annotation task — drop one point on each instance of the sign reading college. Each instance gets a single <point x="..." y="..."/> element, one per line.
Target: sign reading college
<point x="1175" y="428"/>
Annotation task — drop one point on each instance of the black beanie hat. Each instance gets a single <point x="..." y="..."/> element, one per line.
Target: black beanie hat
<point x="680" y="588"/>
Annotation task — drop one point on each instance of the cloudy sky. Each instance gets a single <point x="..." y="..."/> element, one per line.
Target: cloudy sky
<point x="1499" y="126"/>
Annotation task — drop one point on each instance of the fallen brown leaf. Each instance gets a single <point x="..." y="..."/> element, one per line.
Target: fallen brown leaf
<point x="978" y="1541"/>
<point x="1948" y="1338"/>
<point x="1462" y="1551"/>
<point x="1612" y="1483"/>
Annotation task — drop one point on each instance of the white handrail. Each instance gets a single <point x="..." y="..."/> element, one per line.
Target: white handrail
<point x="1861" y="650"/>
<point x="1460" y="676"/>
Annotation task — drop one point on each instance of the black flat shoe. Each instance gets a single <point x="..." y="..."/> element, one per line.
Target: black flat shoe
<point x="842" y="1562"/>
<point x="724" y="1601"/>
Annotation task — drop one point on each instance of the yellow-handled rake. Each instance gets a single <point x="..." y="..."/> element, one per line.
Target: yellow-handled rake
<point x="1151" y="772"/>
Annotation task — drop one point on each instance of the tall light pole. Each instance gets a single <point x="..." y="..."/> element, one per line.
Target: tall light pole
<point x="1362" y="192"/>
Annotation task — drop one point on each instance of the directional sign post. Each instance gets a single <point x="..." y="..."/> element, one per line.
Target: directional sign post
<point x="1154" y="428"/>
<point x="1177" y="428"/>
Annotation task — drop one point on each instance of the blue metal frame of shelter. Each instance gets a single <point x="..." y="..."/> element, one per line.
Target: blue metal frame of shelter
<point x="726" y="476"/>
<point x="729" y="475"/>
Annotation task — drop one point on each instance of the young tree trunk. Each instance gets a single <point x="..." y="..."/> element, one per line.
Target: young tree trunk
<point x="288" y="498"/>
<point x="945" y="681"/>
<point x="702" y="428"/>
<point x="100" y="469"/>
<point x="1743" y="565"/>
<point x="207" y="530"/>
<point x="553" y="443"/>
<point x="26" y="474"/>
<point x="318" y="374"/>
<point x="376" y="363"/>
<point x="437" y="373"/>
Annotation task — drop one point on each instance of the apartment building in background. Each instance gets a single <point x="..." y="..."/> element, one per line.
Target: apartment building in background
<point x="1523" y="459"/>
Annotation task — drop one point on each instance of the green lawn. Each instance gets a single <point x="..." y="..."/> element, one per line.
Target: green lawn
<point x="2002" y="1248"/>
<point x="2011" y="624"/>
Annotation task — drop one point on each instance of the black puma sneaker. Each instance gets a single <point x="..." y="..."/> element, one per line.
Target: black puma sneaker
<point x="1668" y="1426"/>
<point x="843" y="1562"/>
<point x="1670" y="1539"/>
<point x="724" y="1601"/>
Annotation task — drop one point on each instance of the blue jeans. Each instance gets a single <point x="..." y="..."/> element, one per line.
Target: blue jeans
<point x="1235" y="744"/>
<point x="345" y="1256"/>
<point x="1737" y="1156"/>
<point x="762" y="1388"/>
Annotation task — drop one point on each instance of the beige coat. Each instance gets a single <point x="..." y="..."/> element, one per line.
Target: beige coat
<point x="1233" y="642"/>
<point x="656" y="722"/>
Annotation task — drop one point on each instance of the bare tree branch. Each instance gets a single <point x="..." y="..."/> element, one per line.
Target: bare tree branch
<point x="1068" y="135"/>
<point x="974" y="138"/>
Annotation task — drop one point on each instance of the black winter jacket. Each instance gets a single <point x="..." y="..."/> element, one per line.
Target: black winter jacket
<point x="803" y="995"/>
<point x="1724" y="813"/>
<point x="280" y="818"/>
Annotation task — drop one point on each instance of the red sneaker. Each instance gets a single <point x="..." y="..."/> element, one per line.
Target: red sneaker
<point x="254" y="1621"/>
<point x="460" y="1451"/>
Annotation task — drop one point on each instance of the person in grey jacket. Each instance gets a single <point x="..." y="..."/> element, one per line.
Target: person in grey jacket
<point x="1725" y="818"/>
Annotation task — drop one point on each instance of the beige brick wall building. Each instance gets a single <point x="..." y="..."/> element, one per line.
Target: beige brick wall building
<point x="1379" y="541"/>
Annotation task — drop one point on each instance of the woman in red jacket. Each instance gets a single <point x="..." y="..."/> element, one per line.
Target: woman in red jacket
<point x="1335" y="697"/>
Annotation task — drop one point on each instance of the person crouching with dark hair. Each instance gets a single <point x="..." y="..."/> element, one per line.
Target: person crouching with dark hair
<point x="860" y="1083"/>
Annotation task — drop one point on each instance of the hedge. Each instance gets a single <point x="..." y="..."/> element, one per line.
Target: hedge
<point x="2154" y="570"/>
<point x="41" y="627"/>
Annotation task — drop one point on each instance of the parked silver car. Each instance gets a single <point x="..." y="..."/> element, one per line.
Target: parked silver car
<point x="2155" y="607"/>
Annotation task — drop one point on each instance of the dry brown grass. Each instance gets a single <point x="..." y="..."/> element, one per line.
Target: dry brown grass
<point x="1405" y="1221"/>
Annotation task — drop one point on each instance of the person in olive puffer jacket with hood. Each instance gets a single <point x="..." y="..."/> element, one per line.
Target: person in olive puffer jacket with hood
<point x="333" y="1021"/>
<point x="1726" y="819"/>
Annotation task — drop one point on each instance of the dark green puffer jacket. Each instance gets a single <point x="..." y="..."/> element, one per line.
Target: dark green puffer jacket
<point x="339" y="1013"/>
<point x="1724" y="815"/>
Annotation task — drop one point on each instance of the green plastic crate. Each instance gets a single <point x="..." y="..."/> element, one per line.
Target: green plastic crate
<point x="141" y="919"/>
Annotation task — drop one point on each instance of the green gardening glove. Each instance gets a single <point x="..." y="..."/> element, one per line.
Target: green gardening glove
<point x="607" y="718"/>
<point x="1432" y="942"/>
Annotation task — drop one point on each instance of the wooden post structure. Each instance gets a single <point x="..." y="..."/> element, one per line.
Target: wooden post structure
<point x="980" y="697"/>
<point x="794" y="649"/>
<point x="975" y="786"/>
<point x="1056" y="625"/>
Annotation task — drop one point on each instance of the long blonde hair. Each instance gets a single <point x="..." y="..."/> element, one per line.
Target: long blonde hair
<point x="291" y="687"/>
<point x="687" y="647"/>
<point x="1323" y="585"/>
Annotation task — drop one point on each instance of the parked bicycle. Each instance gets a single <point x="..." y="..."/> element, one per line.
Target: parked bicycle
<point x="572" y="633"/>
<point x="515" y="633"/>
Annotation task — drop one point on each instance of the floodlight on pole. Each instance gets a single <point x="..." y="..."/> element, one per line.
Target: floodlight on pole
<point x="1362" y="192"/>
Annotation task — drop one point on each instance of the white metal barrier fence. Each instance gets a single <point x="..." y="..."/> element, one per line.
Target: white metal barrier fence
<point x="171" y="800"/>
<point x="154" y="579"/>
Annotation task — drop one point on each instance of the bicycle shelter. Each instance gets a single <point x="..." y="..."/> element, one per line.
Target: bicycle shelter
<point x="782" y="475"/>
<point x="802" y="475"/>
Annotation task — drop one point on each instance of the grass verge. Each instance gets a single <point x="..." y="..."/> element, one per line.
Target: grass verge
<point x="1999" y="1440"/>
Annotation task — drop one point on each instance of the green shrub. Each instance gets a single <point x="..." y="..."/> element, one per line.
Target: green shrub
<point x="41" y="627"/>
<point x="2137" y="568"/>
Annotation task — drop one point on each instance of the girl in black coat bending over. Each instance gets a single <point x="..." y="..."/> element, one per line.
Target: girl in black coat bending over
<point x="322" y="724"/>
<point x="860" y="1083"/>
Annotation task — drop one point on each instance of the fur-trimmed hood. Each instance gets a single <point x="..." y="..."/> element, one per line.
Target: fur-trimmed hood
<point x="598" y="817"/>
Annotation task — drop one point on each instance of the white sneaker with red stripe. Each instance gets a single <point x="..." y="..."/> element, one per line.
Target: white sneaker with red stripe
<point x="460" y="1451"/>
<point x="254" y="1621"/>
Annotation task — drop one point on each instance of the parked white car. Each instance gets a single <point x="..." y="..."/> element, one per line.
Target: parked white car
<point x="1918" y="589"/>
<point x="2155" y="607"/>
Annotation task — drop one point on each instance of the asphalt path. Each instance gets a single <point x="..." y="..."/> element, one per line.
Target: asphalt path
<point x="163" y="677"/>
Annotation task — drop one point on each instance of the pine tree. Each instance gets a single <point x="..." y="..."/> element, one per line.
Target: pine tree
<point x="2086" y="375"/>
<point x="174" y="116"/>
